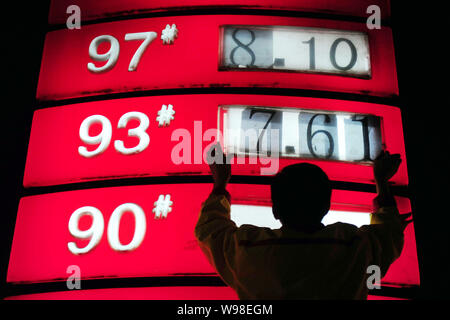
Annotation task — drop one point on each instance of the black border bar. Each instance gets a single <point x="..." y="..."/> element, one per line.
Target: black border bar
<point x="393" y="101"/>
<point x="188" y="280"/>
<point x="397" y="190"/>
<point x="227" y="10"/>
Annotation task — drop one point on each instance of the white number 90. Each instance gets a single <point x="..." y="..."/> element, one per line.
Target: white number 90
<point x="95" y="232"/>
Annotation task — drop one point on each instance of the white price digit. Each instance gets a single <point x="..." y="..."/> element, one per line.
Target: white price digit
<point x="148" y="37"/>
<point x="139" y="132"/>
<point x="103" y="138"/>
<point x="114" y="224"/>
<point x="110" y="56"/>
<point x="94" y="233"/>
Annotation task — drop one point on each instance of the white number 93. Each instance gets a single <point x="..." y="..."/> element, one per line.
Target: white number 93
<point x="103" y="139"/>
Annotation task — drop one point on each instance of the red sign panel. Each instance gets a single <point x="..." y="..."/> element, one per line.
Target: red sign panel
<point x="169" y="135"/>
<point x="143" y="231"/>
<point x="105" y="9"/>
<point x="201" y="51"/>
<point x="147" y="293"/>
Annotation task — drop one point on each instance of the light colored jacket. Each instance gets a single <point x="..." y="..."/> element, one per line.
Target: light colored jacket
<point x="261" y="263"/>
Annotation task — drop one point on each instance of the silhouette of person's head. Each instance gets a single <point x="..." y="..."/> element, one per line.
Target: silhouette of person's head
<point x="301" y="195"/>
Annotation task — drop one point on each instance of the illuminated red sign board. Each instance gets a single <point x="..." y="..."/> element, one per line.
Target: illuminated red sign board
<point x="148" y="230"/>
<point x="143" y="231"/>
<point x="81" y="142"/>
<point x="113" y="8"/>
<point x="217" y="51"/>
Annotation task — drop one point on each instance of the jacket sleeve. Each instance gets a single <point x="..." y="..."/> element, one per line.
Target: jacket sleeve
<point x="385" y="233"/>
<point x="216" y="235"/>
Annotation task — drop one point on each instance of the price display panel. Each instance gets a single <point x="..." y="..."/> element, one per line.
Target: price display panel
<point x="170" y="135"/>
<point x="145" y="231"/>
<point x="278" y="48"/>
<point x="289" y="132"/>
<point x="232" y="51"/>
<point x="98" y="9"/>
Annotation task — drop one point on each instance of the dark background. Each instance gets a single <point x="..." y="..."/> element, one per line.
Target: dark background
<point x="421" y="43"/>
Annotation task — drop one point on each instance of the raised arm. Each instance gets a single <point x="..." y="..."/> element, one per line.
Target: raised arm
<point x="386" y="230"/>
<point x="215" y="231"/>
<point x="384" y="168"/>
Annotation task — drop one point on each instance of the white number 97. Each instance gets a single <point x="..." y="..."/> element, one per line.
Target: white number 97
<point x="110" y="56"/>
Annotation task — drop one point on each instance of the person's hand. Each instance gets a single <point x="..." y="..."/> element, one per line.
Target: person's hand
<point x="385" y="166"/>
<point x="219" y="166"/>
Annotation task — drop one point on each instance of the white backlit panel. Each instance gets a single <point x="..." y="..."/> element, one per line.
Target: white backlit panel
<point x="262" y="216"/>
<point x="356" y="218"/>
<point x="301" y="133"/>
<point x="255" y="215"/>
<point x="311" y="50"/>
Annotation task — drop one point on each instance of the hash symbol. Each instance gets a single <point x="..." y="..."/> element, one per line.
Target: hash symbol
<point x="165" y="115"/>
<point x="163" y="206"/>
<point x="169" y="34"/>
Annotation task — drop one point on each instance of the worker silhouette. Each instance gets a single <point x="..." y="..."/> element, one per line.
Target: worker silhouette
<point x="303" y="259"/>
